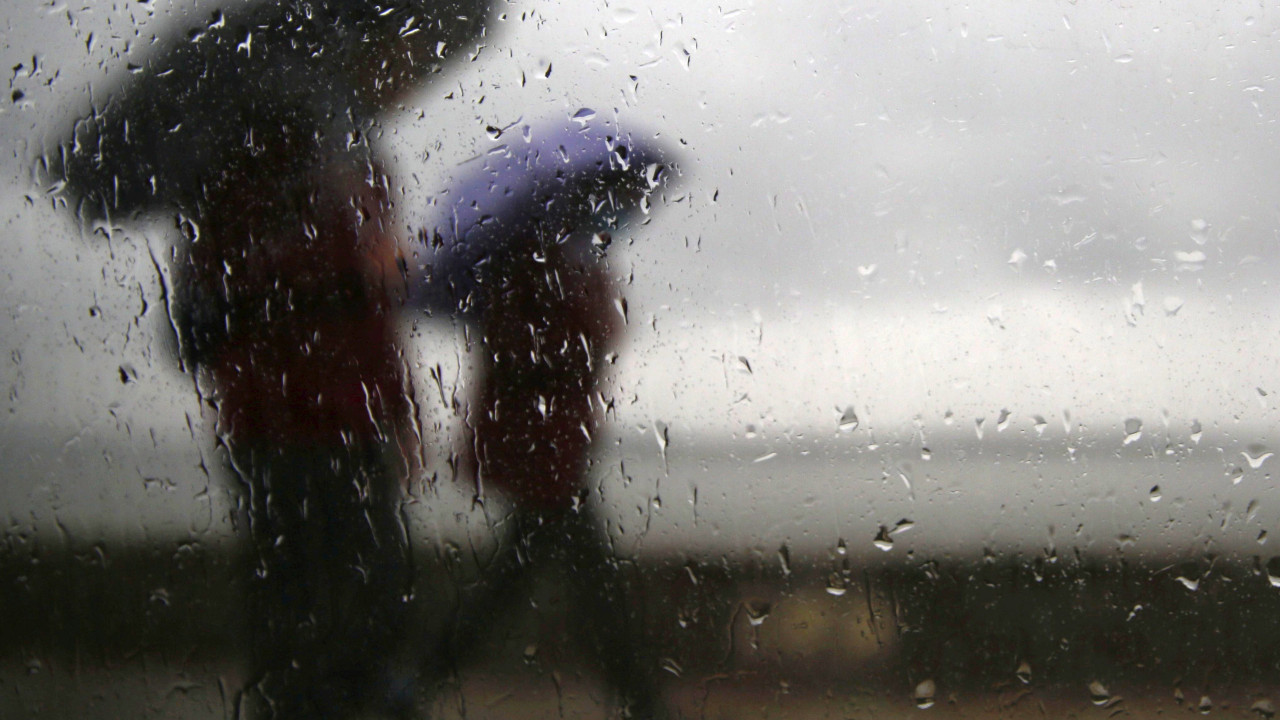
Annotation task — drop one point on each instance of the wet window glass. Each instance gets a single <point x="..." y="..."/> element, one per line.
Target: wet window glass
<point x="471" y="358"/>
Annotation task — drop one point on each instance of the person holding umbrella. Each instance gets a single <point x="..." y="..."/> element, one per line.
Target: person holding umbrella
<point x="253" y="131"/>
<point x="517" y="249"/>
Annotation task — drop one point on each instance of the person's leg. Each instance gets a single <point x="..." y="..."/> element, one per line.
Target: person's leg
<point x="608" y="607"/>
<point x="499" y="584"/>
<point x="328" y="598"/>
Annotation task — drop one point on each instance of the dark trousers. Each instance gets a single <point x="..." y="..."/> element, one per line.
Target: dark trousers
<point x="329" y="590"/>
<point x="605" y="615"/>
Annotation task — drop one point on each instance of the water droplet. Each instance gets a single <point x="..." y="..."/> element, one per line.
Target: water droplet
<point x="1265" y="708"/>
<point x="884" y="540"/>
<point x="1024" y="672"/>
<point x="1236" y="473"/>
<point x="1196" y="431"/>
<point x="1039" y="423"/>
<point x="1256" y="455"/>
<point x="842" y="549"/>
<point x="995" y="316"/>
<point x="1199" y="231"/>
<point x="583" y="116"/>
<point x="836" y="584"/>
<point x="757" y="611"/>
<point x="1189" y="583"/>
<point x="924" y="693"/>
<point x="662" y="435"/>
<point x="1190" y="259"/>
<point x="1155" y="494"/>
<point x="1205" y="705"/>
<point x="1132" y="430"/>
<point x="1002" y="422"/>
<point x="601" y="241"/>
<point x="671" y="666"/>
<point x="848" y="420"/>
<point x="1069" y="195"/>
<point x="977" y="426"/>
<point x="1172" y="304"/>
<point x="1137" y="304"/>
<point x="1099" y="693"/>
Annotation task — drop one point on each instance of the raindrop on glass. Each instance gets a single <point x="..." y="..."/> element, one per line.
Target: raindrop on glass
<point x="924" y="693"/>
<point x="757" y="611"/>
<point x="1256" y="455"/>
<point x="883" y="539"/>
<point x="836" y="584"/>
<point x="1132" y="430"/>
<point x="1039" y="423"/>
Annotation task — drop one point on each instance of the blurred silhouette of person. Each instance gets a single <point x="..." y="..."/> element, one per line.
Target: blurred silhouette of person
<point x="255" y="130"/>
<point x="515" y="256"/>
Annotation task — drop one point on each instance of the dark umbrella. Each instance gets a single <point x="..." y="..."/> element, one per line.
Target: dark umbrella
<point x="308" y="74"/>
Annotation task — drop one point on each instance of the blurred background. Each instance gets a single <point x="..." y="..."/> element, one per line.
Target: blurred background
<point x="948" y="383"/>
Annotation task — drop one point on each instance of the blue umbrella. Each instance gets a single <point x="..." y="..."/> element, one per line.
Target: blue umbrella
<point x="551" y="185"/>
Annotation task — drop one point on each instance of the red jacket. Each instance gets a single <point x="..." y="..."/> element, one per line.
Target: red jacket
<point x="547" y="328"/>
<point x="297" y="269"/>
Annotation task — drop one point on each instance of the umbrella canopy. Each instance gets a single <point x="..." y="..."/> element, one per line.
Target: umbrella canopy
<point x="291" y="80"/>
<point x="554" y="184"/>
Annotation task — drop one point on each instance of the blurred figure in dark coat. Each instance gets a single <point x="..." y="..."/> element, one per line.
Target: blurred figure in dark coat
<point x="518" y="251"/>
<point x="253" y="131"/>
